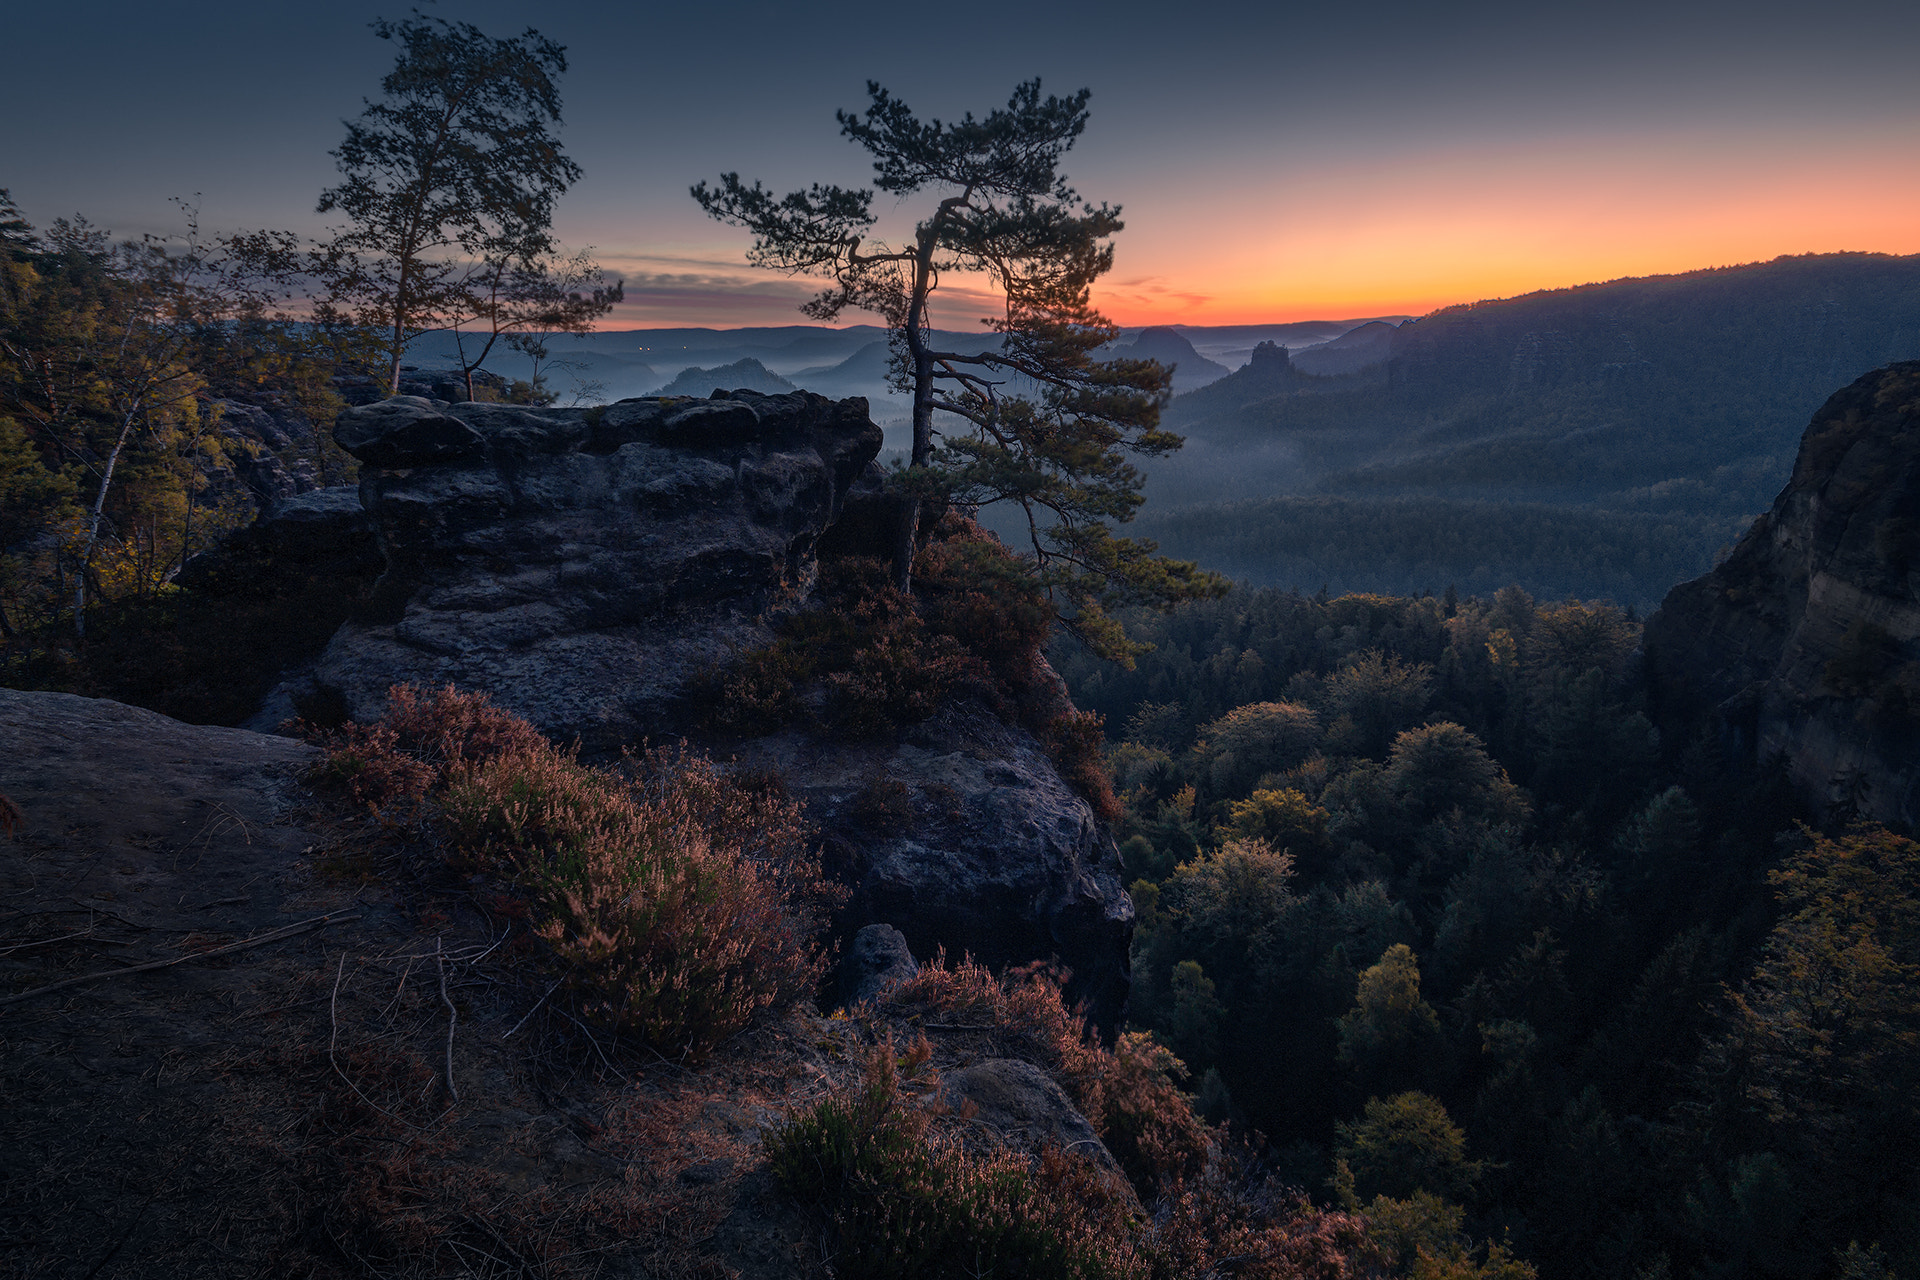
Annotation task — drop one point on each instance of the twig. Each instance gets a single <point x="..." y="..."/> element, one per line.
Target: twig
<point x="399" y="990"/>
<point x="45" y="942"/>
<point x="453" y="1020"/>
<point x="274" y="936"/>
<point x="536" y="1008"/>
<point x="592" y="1040"/>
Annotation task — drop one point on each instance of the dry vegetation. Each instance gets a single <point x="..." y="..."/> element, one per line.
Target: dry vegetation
<point x="868" y="659"/>
<point x="565" y="1031"/>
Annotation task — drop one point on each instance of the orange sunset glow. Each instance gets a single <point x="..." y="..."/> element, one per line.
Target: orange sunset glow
<point x="1448" y="228"/>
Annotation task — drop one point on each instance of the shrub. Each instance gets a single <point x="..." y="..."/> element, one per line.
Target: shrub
<point x="1078" y="745"/>
<point x="984" y="597"/>
<point x="402" y="755"/>
<point x="905" y="1199"/>
<point x="1127" y="1092"/>
<point x="680" y="902"/>
<point x="1231" y="1221"/>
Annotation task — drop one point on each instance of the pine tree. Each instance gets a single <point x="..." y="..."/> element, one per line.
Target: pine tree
<point x="1042" y="422"/>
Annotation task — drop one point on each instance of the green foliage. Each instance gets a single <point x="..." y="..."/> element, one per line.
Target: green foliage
<point x="448" y="185"/>
<point x="115" y="467"/>
<point x="1371" y="697"/>
<point x="1404" y="1145"/>
<point x="1815" y="1079"/>
<point x="1285" y="819"/>
<point x="1037" y="420"/>
<point x="1389" y="1027"/>
<point x="1442" y="767"/>
<point x="1252" y="741"/>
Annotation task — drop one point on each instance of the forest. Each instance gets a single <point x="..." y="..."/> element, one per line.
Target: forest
<point x="1673" y="402"/>
<point x="1452" y="956"/>
<point x="1424" y="898"/>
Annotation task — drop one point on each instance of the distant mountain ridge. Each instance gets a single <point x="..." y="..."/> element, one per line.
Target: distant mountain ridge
<point x="747" y="372"/>
<point x="1170" y="347"/>
<point x="1672" y="399"/>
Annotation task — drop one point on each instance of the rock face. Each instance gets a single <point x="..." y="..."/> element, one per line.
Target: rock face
<point x="964" y="837"/>
<point x="1805" y="643"/>
<point x="1024" y="1106"/>
<point x="581" y="565"/>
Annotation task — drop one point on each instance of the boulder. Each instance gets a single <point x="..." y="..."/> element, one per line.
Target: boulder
<point x="963" y="836"/>
<point x="581" y="565"/>
<point x="1804" y="644"/>
<point x="1027" y="1110"/>
<point x="877" y="958"/>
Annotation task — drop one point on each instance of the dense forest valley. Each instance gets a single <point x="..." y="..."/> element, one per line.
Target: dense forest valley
<point x="1479" y="956"/>
<point x="1426" y="898"/>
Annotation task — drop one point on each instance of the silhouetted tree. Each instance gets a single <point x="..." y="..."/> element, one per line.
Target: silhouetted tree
<point x="1049" y="427"/>
<point x="455" y="165"/>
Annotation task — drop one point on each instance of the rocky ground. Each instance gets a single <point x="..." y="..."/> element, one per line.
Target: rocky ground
<point x="347" y="1063"/>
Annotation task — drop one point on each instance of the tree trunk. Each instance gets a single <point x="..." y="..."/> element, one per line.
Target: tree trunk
<point x="907" y="532"/>
<point x="93" y="525"/>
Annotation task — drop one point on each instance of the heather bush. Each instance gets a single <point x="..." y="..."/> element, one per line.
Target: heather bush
<point x="402" y="755"/>
<point x="1232" y="1220"/>
<point x="904" y="1197"/>
<point x="907" y="1199"/>
<point x="679" y="901"/>
<point x="868" y="658"/>
<point x="1127" y="1092"/>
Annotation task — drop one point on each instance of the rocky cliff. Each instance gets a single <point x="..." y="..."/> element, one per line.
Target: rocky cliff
<point x="1805" y="643"/>
<point x="590" y="567"/>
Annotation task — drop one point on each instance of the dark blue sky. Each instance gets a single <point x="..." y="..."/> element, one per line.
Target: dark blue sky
<point x="1268" y="158"/>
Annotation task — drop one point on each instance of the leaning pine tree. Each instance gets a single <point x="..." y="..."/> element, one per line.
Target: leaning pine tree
<point x="1037" y="420"/>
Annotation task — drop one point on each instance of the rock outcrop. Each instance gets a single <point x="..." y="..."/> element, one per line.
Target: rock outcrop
<point x="963" y="836"/>
<point x="585" y="567"/>
<point x="1805" y="643"/>
<point x="581" y="565"/>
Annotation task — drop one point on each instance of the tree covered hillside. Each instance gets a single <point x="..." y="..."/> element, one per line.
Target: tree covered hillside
<point x="1675" y="399"/>
<point x="1425" y="898"/>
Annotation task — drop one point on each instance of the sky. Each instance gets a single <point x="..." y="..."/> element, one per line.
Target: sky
<point x="1273" y="162"/>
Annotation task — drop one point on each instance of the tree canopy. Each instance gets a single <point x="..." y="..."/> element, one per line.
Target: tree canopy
<point x="1042" y="422"/>
<point x="448" y="186"/>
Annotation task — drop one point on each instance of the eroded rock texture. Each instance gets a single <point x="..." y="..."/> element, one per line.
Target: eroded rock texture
<point x="1805" y="643"/>
<point x="584" y="566"/>
<point x="581" y="565"/>
<point x="962" y="835"/>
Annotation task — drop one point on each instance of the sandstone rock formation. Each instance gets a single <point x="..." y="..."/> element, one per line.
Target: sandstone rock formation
<point x="877" y="958"/>
<point x="1805" y="643"/>
<point x="963" y="836"/>
<point x="584" y="567"/>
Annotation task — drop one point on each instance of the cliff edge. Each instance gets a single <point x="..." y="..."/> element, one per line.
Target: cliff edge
<point x="1804" y="644"/>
